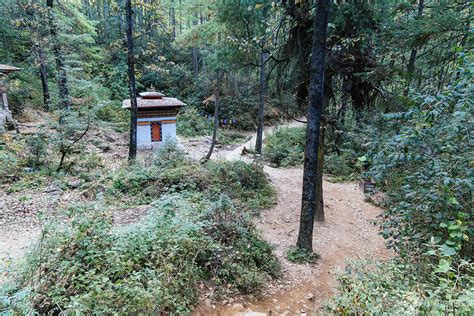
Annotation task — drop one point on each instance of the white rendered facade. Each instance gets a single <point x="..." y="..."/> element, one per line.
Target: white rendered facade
<point x="144" y="131"/>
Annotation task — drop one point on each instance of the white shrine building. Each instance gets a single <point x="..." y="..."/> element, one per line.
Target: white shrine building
<point x="156" y="118"/>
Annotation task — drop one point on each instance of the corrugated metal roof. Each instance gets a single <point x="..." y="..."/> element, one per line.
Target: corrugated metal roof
<point x="7" y="69"/>
<point x="163" y="102"/>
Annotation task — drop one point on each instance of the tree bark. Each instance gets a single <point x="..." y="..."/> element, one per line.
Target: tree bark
<point x="318" y="65"/>
<point x="263" y="89"/>
<point x="59" y="60"/>
<point x="86" y="7"/>
<point x="120" y="16"/>
<point x="44" y="78"/>
<point x="106" y="18"/>
<point x="216" y="117"/>
<point x="132" y="153"/>
<point x="195" y="51"/>
<point x="173" y="18"/>
<point x="319" y="185"/>
<point x="414" y="51"/>
<point x="262" y="98"/>
<point x="195" y="63"/>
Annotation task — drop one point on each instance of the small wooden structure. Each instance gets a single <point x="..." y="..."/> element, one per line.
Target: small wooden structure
<point x="156" y="121"/>
<point x="367" y="185"/>
<point x="4" y="70"/>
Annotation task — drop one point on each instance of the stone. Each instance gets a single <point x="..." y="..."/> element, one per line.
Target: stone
<point x="310" y="296"/>
<point x="74" y="183"/>
<point x="104" y="148"/>
<point x="238" y="306"/>
<point x="109" y="138"/>
<point x="52" y="189"/>
<point x="207" y="302"/>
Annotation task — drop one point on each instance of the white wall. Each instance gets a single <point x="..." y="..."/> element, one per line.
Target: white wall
<point x="144" y="135"/>
<point x="168" y="131"/>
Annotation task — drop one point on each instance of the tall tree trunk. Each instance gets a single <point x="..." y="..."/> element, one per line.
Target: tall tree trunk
<point x="195" y="63"/>
<point x="262" y="98"/>
<point x="263" y="89"/>
<point x="132" y="153"/>
<point x="180" y="19"/>
<point x="318" y="65"/>
<point x="59" y="60"/>
<point x="195" y="50"/>
<point x="216" y="116"/>
<point x="319" y="216"/>
<point x="120" y="17"/>
<point x="319" y="185"/>
<point x="97" y="6"/>
<point x="44" y="77"/>
<point x="86" y="8"/>
<point x="414" y="52"/>
<point x="173" y="19"/>
<point x="106" y="18"/>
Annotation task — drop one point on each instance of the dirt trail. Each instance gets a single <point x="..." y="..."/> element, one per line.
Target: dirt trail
<point x="349" y="232"/>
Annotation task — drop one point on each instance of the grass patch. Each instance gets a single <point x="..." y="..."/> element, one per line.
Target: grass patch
<point x="297" y="255"/>
<point x="285" y="147"/>
<point x="171" y="172"/>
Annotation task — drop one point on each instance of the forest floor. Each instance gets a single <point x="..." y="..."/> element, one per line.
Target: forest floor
<point x="349" y="232"/>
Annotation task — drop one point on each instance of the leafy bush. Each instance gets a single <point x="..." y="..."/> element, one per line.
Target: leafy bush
<point x="424" y="170"/>
<point x="341" y="166"/>
<point x="172" y="172"/>
<point x="398" y="288"/>
<point x="90" y="267"/>
<point x="231" y="136"/>
<point x="246" y="183"/>
<point x="191" y="124"/>
<point x="285" y="147"/>
<point x="297" y="255"/>
<point x="112" y="112"/>
<point x="242" y="254"/>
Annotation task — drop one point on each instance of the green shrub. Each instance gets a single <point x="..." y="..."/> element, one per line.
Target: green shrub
<point x="191" y="124"/>
<point x="90" y="267"/>
<point x="297" y="255"/>
<point x="399" y="288"/>
<point x="112" y="112"/>
<point x="242" y="258"/>
<point x="170" y="171"/>
<point x="285" y="147"/>
<point x="246" y="183"/>
<point x="231" y="136"/>
<point x="341" y="166"/>
<point x="424" y="168"/>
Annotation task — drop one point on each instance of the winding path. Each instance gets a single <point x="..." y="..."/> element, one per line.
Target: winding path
<point x="349" y="232"/>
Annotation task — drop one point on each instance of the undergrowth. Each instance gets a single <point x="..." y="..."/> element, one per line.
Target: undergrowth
<point x="171" y="172"/>
<point x="199" y="230"/>
<point x="297" y="255"/>
<point x="397" y="287"/>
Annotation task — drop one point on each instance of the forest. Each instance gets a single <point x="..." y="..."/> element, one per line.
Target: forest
<point x="231" y="157"/>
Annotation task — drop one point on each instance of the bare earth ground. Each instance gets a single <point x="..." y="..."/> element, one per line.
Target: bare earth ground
<point x="350" y="231"/>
